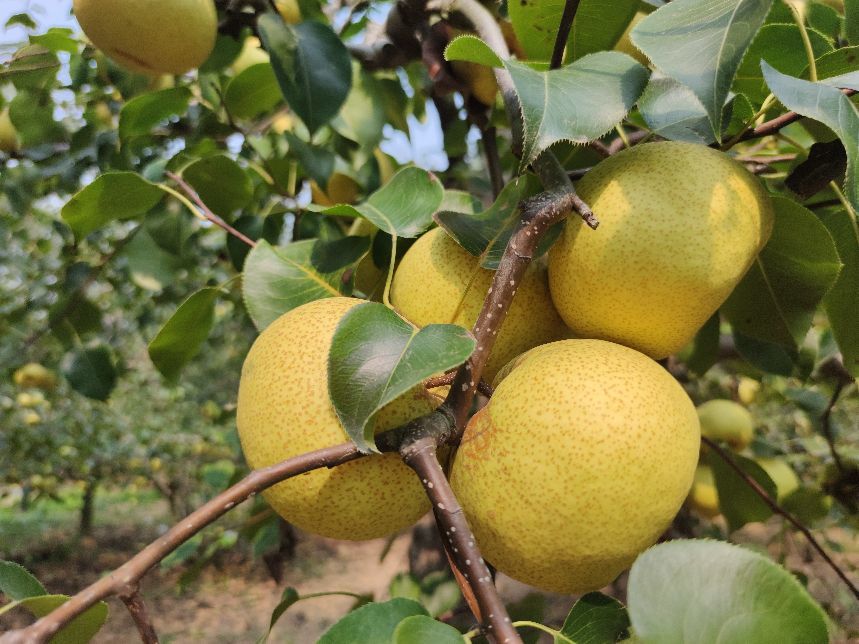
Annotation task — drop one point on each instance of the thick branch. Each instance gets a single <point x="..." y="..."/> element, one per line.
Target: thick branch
<point x="136" y="606"/>
<point x="777" y="509"/>
<point x="570" y="8"/>
<point x="421" y="456"/>
<point x="123" y="580"/>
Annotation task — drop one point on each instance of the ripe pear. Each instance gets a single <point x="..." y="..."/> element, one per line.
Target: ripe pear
<point x="703" y="497"/>
<point x="785" y="479"/>
<point x="34" y="375"/>
<point x="438" y="281"/>
<point x="727" y="422"/>
<point x="151" y="36"/>
<point x="579" y="462"/>
<point x="680" y="224"/>
<point x="747" y="390"/>
<point x="251" y="54"/>
<point x="8" y="133"/>
<point x="289" y="11"/>
<point x="341" y="188"/>
<point x="284" y="410"/>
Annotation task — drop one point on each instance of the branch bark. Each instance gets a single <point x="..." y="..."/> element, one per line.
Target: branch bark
<point x="137" y="608"/>
<point x="567" y="18"/>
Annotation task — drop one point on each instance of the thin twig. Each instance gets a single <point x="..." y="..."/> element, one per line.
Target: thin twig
<point x="826" y="425"/>
<point x="632" y="138"/>
<point x="421" y="456"/>
<point x="137" y="607"/>
<point x="777" y="509"/>
<point x="207" y="213"/>
<point x="124" y="579"/>
<point x="445" y="379"/>
<point x="569" y="15"/>
<point x="493" y="161"/>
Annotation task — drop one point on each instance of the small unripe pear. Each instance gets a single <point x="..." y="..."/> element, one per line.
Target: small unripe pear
<point x="728" y="422"/>
<point x="703" y="497"/>
<point x="579" y="462"/>
<point x="680" y="224"/>
<point x="438" y="281"/>
<point x="35" y="375"/>
<point x="151" y="36"/>
<point x="284" y="411"/>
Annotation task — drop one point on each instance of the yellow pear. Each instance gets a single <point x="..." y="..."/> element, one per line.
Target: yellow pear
<point x="35" y="375"/>
<point x="438" y="281"/>
<point x="785" y="479"/>
<point x="747" y="390"/>
<point x="251" y="54"/>
<point x="289" y="11"/>
<point x="284" y="410"/>
<point x="151" y="36"/>
<point x="624" y="44"/>
<point x="727" y="422"/>
<point x="703" y="497"/>
<point x="8" y="133"/>
<point x="680" y="224"/>
<point x="579" y="462"/>
<point x="341" y="188"/>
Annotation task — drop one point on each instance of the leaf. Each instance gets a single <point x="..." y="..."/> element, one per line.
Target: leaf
<point x="705" y="347"/>
<point x="825" y="162"/>
<point x="404" y="206"/>
<point x="91" y="372"/>
<point x="317" y="161"/>
<point x="578" y="103"/>
<point x="827" y="105"/>
<point x="701" y="43"/>
<point x="221" y="183"/>
<point x="337" y="254"/>
<point x="842" y="301"/>
<point x="252" y="92"/>
<point x="598" y="25"/>
<point x="17" y="583"/>
<point x="596" y="619"/>
<point x="782" y="47"/>
<point x="374" y="622"/>
<point x="31" y="66"/>
<point x="142" y="113"/>
<point x="151" y="267"/>
<point x="710" y="591"/>
<point x="766" y="356"/>
<point x="113" y="195"/>
<point x="278" y="279"/>
<point x="471" y="49"/>
<point x="420" y="629"/>
<point x="288" y="598"/>
<point x="486" y="234"/>
<point x="738" y="502"/>
<point x="78" y="631"/>
<point x="851" y="21"/>
<point x="673" y="111"/>
<point x="777" y="298"/>
<point x="312" y="66"/>
<point x="182" y="336"/>
<point x="376" y="356"/>
<point x="362" y="117"/>
<point x="536" y="25"/>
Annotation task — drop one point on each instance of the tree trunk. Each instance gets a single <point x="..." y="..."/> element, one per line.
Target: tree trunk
<point x="88" y="507"/>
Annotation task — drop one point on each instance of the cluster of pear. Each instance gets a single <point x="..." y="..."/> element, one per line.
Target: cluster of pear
<point x="588" y="447"/>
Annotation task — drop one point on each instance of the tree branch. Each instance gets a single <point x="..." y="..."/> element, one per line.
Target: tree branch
<point x="134" y="603"/>
<point x="777" y="509"/>
<point x="826" y="425"/>
<point x="123" y="580"/>
<point x="569" y="15"/>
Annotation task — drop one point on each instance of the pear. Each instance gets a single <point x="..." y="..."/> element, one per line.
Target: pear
<point x="703" y="497"/>
<point x="785" y="479"/>
<point x="579" y="462"/>
<point x="438" y="281"/>
<point x="34" y="375"/>
<point x="284" y="411"/>
<point x="289" y="11"/>
<point x="680" y="224"/>
<point x="151" y="36"/>
<point x="250" y="55"/>
<point x="727" y="422"/>
<point x="8" y="133"/>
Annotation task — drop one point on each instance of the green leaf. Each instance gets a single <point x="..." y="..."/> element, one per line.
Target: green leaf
<point x="336" y="254"/>
<point x="32" y="114"/>
<point x="362" y="116"/>
<point x="851" y="21"/>
<point x="17" y="583"/>
<point x="182" y="336"/>
<point x="701" y="43"/>
<point x="472" y="49"/>
<point x="78" y="631"/>
<point x="673" y="111"/>
<point x="777" y="298"/>
<point x="596" y="619"/>
<point x="828" y="105"/>
<point x="420" y="629"/>
<point x="709" y="591"/>
<point x="536" y="25"/>
<point x="151" y="267"/>
<point x="372" y="623"/>
<point x="142" y="113"/>
<point x="22" y="19"/>
<point x="288" y="598"/>
<point x="376" y="356"/>
<point x="404" y="206"/>
<point x="312" y="66"/>
<point x="782" y="47"/>
<point x="252" y="92"/>
<point x="738" y="502"/>
<point x="113" y="195"/>
<point x="91" y="372"/>
<point x="221" y="183"/>
<point x="705" y="347"/>
<point x="278" y="279"/>
<point x="486" y="234"/>
<point x="766" y="356"/>
<point x="578" y="103"/>
<point x="317" y="161"/>
<point x="31" y="66"/>
<point x="598" y="25"/>
<point x="57" y="39"/>
<point x="842" y="301"/>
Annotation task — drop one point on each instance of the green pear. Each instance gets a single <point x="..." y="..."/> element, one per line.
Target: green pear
<point x="438" y="281"/>
<point x="727" y="422"/>
<point x="581" y="459"/>
<point x="151" y="36"/>
<point x="284" y="411"/>
<point x="680" y="224"/>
